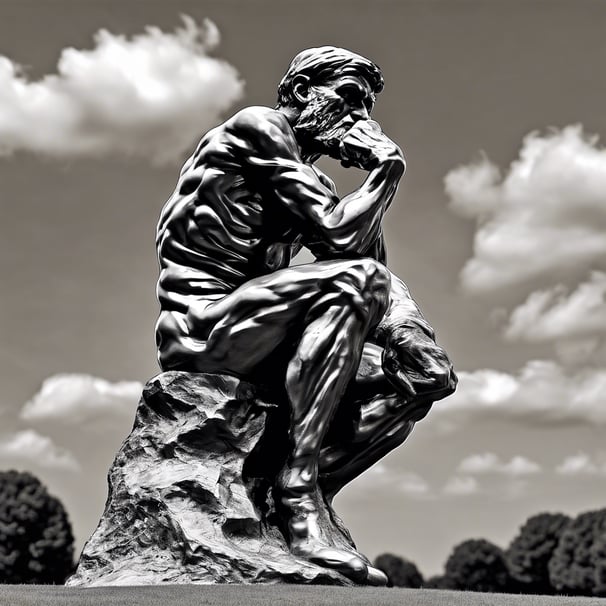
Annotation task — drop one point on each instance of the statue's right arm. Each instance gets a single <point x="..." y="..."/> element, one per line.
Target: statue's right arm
<point x="330" y="227"/>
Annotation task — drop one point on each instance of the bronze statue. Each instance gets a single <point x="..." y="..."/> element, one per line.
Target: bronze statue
<point x="342" y="335"/>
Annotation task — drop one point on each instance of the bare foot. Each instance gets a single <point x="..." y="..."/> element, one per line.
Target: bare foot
<point x="376" y="577"/>
<point x="308" y="540"/>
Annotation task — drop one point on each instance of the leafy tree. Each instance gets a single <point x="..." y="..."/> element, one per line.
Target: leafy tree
<point x="530" y="551"/>
<point x="36" y="541"/>
<point x="478" y="565"/>
<point x="598" y="553"/>
<point x="400" y="572"/>
<point x="577" y="565"/>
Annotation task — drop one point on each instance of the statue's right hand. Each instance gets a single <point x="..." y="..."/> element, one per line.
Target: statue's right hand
<point x="365" y="146"/>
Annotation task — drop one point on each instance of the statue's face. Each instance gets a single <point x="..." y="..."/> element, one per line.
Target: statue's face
<point x="331" y="111"/>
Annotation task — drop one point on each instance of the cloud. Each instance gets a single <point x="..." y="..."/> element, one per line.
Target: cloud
<point x="461" y="485"/>
<point x="383" y="478"/>
<point x="30" y="447"/>
<point x="555" y="314"/>
<point x="412" y="484"/>
<point x="75" y="399"/>
<point x="543" y="392"/>
<point x="546" y="217"/>
<point x="580" y="352"/>
<point x="151" y="96"/>
<point x="88" y="418"/>
<point x="580" y="464"/>
<point x="490" y="463"/>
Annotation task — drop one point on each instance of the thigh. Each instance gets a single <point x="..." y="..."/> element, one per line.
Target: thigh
<point x="256" y="323"/>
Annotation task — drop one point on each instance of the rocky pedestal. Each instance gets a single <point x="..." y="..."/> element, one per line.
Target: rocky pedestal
<point x="190" y="497"/>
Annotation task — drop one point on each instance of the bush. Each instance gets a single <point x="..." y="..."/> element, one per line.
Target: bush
<point x="578" y="562"/>
<point x="478" y="565"/>
<point x="36" y="541"/>
<point x="598" y="553"/>
<point x="530" y="551"/>
<point x="400" y="572"/>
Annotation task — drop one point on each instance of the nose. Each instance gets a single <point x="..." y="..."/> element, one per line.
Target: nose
<point x="360" y="113"/>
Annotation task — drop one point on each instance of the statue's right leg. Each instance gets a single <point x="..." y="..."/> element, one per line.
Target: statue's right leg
<point x="326" y="310"/>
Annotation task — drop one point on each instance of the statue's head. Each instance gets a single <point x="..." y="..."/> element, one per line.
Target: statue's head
<point x="329" y="89"/>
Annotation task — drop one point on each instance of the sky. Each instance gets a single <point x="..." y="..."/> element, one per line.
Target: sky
<point x="498" y="229"/>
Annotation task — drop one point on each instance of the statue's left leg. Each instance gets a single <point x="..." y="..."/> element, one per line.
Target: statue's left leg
<point x="371" y="421"/>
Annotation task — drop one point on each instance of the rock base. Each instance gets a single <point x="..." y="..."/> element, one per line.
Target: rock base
<point x="190" y="497"/>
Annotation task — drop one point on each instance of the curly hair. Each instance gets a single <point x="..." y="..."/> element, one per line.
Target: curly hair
<point x="323" y="64"/>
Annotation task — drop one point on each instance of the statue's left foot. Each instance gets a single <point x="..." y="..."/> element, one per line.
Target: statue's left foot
<point x="348" y="563"/>
<point x="376" y="577"/>
<point x="307" y="539"/>
<point x="345" y="562"/>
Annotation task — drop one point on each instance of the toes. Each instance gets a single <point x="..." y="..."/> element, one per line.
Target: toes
<point x="347" y="563"/>
<point x="376" y="577"/>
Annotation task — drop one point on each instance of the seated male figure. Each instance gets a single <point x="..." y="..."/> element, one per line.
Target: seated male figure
<point x="342" y="334"/>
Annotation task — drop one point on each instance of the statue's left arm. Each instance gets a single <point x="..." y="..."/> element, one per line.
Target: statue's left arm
<point x="412" y="360"/>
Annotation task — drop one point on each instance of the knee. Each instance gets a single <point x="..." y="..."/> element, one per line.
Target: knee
<point x="373" y="282"/>
<point x="376" y="276"/>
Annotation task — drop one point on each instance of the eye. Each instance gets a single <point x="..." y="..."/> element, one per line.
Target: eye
<point x="355" y="95"/>
<point x="351" y="93"/>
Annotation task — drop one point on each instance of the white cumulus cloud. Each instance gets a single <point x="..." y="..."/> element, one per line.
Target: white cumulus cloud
<point x="29" y="447"/>
<point x="412" y="484"/>
<point x="461" y="485"/>
<point x="490" y="463"/>
<point x="543" y="392"/>
<point x="556" y="313"/>
<point x="580" y="464"/>
<point x="86" y="419"/>
<point x="76" y="398"/>
<point x="544" y="218"/>
<point x="383" y="478"/>
<point x="151" y="95"/>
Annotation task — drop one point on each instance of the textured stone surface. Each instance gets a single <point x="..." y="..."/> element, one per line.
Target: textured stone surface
<point x="190" y="493"/>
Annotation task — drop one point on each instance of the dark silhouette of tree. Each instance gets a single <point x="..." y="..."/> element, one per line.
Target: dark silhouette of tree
<point x="400" y="572"/>
<point x="36" y="541"/>
<point x="530" y="551"/>
<point x="478" y="565"/>
<point x="598" y="553"/>
<point x="577" y="565"/>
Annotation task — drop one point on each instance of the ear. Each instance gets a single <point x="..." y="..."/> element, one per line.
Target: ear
<point x="300" y="88"/>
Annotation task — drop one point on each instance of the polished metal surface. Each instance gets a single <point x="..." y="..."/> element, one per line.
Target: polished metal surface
<point x="342" y="336"/>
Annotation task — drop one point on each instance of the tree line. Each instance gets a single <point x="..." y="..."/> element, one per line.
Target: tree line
<point x="551" y="554"/>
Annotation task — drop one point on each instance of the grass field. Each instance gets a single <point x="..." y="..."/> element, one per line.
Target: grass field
<point x="267" y="595"/>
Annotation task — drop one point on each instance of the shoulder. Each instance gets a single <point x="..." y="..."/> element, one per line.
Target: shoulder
<point x="258" y="125"/>
<point x="257" y="117"/>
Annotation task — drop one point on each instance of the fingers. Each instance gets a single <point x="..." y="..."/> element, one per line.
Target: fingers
<point x="421" y="369"/>
<point x="364" y="145"/>
<point x="396" y="375"/>
<point x="365" y="127"/>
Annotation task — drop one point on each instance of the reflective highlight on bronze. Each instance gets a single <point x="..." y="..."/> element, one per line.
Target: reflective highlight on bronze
<point x="342" y="336"/>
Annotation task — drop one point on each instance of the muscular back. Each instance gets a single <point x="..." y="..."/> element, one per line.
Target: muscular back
<point x="224" y="225"/>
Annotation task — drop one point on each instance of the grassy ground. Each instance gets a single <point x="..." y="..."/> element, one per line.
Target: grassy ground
<point x="267" y="595"/>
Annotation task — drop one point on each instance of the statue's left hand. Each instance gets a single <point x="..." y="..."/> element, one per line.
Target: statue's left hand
<point x="416" y="366"/>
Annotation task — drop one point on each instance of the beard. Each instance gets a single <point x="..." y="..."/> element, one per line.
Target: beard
<point x="321" y="126"/>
